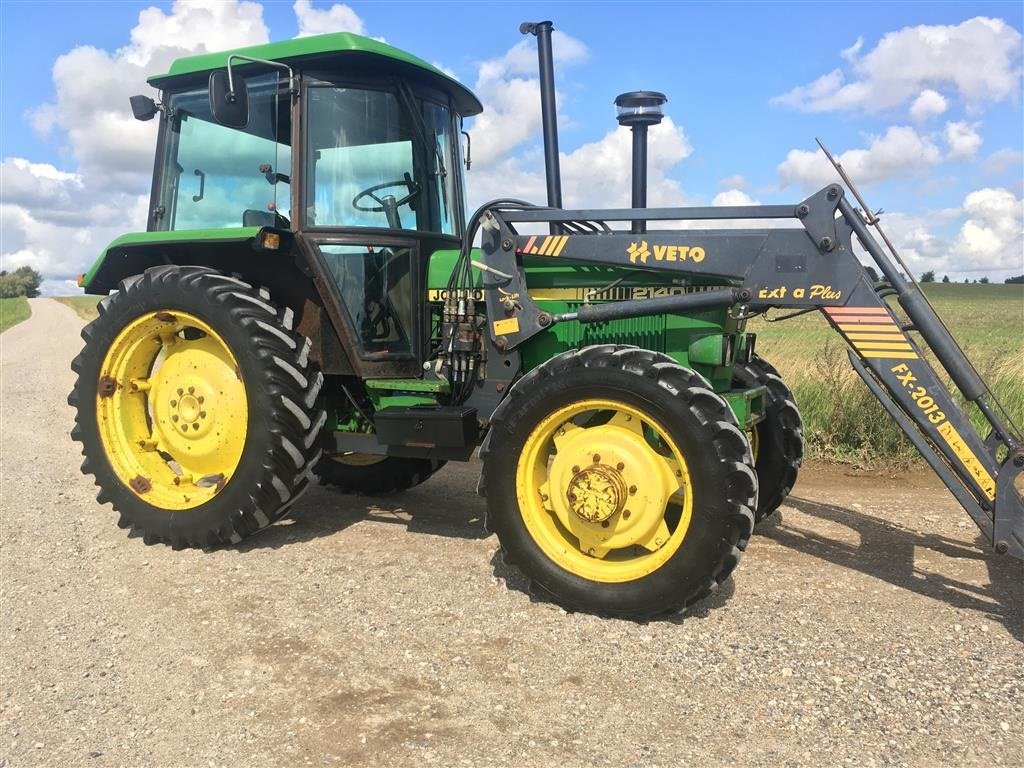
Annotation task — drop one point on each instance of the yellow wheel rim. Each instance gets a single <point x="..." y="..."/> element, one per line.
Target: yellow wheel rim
<point x="358" y="459"/>
<point x="172" y="410"/>
<point x="604" y="491"/>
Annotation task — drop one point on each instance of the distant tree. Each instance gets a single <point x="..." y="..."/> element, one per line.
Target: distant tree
<point x="24" y="281"/>
<point x="967" y="280"/>
<point x="1017" y="279"/>
<point x="871" y="272"/>
<point x="945" y="278"/>
<point x="928" y="277"/>
<point x="984" y="281"/>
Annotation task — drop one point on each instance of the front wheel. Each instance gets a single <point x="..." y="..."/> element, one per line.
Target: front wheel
<point x="196" y="407"/>
<point x="619" y="482"/>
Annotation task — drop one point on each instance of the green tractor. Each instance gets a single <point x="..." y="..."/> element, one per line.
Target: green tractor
<point x="307" y="302"/>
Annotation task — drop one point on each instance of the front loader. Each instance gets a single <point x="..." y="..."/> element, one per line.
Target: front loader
<point x="307" y="301"/>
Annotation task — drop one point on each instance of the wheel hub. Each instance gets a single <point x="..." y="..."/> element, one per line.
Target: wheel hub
<point x="174" y="422"/>
<point x="596" y="493"/>
<point x="189" y="411"/>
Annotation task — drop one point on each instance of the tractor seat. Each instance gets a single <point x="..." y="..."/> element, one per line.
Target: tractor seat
<point x="254" y="218"/>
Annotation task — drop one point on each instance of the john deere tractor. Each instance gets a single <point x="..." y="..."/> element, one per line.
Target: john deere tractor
<point x="307" y="301"/>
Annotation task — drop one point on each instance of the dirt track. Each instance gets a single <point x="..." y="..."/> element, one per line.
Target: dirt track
<point x="866" y="627"/>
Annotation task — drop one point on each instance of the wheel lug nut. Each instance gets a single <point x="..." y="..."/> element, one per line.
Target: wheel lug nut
<point x="200" y="399"/>
<point x="632" y="490"/>
<point x="543" y="497"/>
<point x="195" y="427"/>
<point x="174" y="403"/>
<point x="174" y="417"/>
<point x="597" y="457"/>
<point x="191" y="390"/>
<point x="625" y="514"/>
<point x="184" y="427"/>
<point x="620" y="466"/>
<point x="604" y="524"/>
<point x="202" y="414"/>
<point x="180" y="391"/>
<point x="575" y="470"/>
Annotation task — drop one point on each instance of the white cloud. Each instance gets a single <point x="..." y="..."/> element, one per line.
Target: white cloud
<point x="734" y="197"/>
<point x="901" y="152"/>
<point x="979" y="59"/>
<point x="850" y="54"/>
<point x="338" y="18"/>
<point x="984" y="235"/>
<point x="992" y="237"/>
<point x="733" y="182"/>
<point x="58" y="221"/>
<point x="511" y="93"/>
<point x="1003" y="159"/>
<point x="929" y="104"/>
<point x="963" y="140"/>
<point x="55" y="222"/>
<point x="597" y="174"/>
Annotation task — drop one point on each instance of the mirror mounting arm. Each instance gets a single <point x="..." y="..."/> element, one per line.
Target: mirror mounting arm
<point x="293" y="88"/>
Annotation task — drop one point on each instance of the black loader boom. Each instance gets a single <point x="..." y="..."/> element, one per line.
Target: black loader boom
<point x="812" y="267"/>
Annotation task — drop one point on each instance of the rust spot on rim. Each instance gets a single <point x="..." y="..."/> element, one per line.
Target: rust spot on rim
<point x="165" y="317"/>
<point x="107" y="386"/>
<point x="141" y="484"/>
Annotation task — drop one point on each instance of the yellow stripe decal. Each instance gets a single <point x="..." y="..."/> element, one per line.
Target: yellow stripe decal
<point x="546" y="248"/>
<point x="968" y="459"/>
<point x="529" y="244"/>
<point x="894" y="336"/>
<point x="864" y="327"/>
<point x="561" y="245"/>
<point x="883" y="345"/>
<point x="889" y="355"/>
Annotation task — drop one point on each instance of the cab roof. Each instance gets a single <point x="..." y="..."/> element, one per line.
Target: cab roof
<point x="354" y="50"/>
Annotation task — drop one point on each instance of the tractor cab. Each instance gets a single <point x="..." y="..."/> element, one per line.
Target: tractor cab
<point x="346" y="143"/>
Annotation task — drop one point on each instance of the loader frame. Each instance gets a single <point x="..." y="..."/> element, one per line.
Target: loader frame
<point x="811" y="266"/>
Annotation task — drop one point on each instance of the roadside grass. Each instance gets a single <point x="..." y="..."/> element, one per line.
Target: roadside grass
<point x="843" y="421"/>
<point x="13" y="311"/>
<point x="84" y="306"/>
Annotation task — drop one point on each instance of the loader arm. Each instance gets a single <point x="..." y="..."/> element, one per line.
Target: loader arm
<point x="811" y="265"/>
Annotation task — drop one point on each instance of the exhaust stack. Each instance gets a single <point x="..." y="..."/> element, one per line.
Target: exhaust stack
<point x="638" y="110"/>
<point x="549" y="118"/>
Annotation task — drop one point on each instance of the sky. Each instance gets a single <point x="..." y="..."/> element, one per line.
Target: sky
<point x="921" y="101"/>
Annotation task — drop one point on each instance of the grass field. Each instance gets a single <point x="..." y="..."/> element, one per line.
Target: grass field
<point x="842" y="420"/>
<point x="13" y="311"/>
<point x="85" y="306"/>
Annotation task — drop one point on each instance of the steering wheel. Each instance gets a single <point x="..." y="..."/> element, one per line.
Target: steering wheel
<point x="412" y="186"/>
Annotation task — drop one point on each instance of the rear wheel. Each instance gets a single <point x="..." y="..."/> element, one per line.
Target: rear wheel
<point x="195" y="407"/>
<point x="364" y="473"/>
<point x="777" y="440"/>
<point x="618" y="482"/>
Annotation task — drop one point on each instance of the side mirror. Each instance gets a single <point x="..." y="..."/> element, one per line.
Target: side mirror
<point x="143" y="107"/>
<point x="229" y="106"/>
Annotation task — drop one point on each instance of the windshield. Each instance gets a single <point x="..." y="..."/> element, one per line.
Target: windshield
<point x="374" y="162"/>
<point x="215" y="176"/>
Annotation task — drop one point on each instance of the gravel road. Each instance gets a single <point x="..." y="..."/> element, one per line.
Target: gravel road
<point x="866" y="627"/>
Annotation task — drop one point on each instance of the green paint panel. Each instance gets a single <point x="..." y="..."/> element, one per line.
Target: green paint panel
<point x="233" y="235"/>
